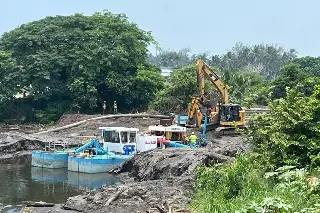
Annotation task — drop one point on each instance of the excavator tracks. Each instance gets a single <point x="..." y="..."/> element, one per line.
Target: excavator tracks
<point x="229" y="131"/>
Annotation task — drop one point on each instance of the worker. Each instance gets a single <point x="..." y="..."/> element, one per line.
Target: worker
<point x="115" y="107"/>
<point x="193" y="139"/>
<point x="104" y="107"/>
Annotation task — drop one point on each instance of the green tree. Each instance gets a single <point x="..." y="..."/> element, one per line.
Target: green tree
<point x="310" y="65"/>
<point x="242" y="83"/>
<point x="264" y="59"/>
<point x="181" y="85"/>
<point x="145" y="85"/>
<point x="10" y="76"/>
<point x="82" y="60"/>
<point x="290" y="76"/>
<point x="176" y="59"/>
<point x="170" y="58"/>
<point x="290" y="133"/>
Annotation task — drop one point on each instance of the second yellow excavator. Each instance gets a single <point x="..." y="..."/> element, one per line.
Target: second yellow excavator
<point x="223" y="117"/>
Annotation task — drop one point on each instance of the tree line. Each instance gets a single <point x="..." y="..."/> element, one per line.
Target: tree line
<point x="68" y="63"/>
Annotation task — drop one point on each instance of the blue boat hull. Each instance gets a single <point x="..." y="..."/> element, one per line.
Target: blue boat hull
<point x="53" y="160"/>
<point x="97" y="164"/>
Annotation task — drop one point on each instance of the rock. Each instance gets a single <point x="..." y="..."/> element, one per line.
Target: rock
<point x="78" y="203"/>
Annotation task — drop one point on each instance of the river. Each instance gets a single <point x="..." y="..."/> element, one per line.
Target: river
<point x="21" y="182"/>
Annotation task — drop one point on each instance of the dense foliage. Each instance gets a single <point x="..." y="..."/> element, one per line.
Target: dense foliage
<point x="290" y="76"/>
<point x="290" y="134"/>
<point x="179" y="89"/>
<point x="245" y="187"/>
<point x="77" y="61"/>
<point x="176" y="59"/>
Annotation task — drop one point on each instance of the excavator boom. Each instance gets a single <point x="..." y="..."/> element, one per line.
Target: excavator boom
<point x="204" y="70"/>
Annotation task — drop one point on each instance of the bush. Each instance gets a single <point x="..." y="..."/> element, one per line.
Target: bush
<point x="290" y="133"/>
<point x="244" y="186"/>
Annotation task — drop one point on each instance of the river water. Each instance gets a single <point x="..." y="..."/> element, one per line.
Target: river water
<point x="21" y="182"/>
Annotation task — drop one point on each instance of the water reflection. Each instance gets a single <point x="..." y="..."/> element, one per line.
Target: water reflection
<point x="78" y="180"/>
<point x="49" y="175"/>
<point x="91" y="181"/>
<point x="21" y="182"/>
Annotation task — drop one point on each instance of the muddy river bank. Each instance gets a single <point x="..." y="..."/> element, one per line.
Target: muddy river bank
<point x="156" y="179"/>
<point x="148" y="181"/>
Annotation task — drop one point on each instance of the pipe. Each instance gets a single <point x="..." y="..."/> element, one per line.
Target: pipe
<point x="178" y="145"/>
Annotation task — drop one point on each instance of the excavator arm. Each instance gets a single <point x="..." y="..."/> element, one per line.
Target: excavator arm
<point x="194" y="113"/>
<point x="205" y="70"/>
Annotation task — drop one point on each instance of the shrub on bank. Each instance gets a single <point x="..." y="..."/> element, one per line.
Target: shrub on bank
<point x="244" y="186"/>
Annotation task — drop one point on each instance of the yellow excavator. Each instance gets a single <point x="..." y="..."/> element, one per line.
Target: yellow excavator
<point x="223" y="117"/>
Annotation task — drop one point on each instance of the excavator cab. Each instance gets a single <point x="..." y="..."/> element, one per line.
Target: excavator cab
<point x="231" y="114"/>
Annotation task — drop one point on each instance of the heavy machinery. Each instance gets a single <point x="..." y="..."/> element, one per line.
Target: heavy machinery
<point x="223" y="117"/>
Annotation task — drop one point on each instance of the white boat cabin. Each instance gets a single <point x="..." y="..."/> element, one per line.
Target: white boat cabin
<point x="116" y="138"/>
<point x="172" y="133"/>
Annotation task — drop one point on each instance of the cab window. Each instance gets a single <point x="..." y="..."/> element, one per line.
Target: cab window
<point x="124" y="137"/>
<point x="132" y="137"/>
<point x="111" y="136"/>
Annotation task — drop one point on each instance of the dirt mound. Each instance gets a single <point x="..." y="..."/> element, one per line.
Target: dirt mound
<point x="18" y="144"/>
<point x="152" y="178"/>
<point x="67" y="119"/>
<point x="228" y="145"/>
<point x="160" y="164"/>
<point x="15" y="144"/>
<point x="19" y="128"/>
<point x="135" y="197"/>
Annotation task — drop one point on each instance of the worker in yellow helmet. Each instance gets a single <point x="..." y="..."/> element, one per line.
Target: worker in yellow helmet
<point x="115" y="107"/>
<point x="193" y="139"/>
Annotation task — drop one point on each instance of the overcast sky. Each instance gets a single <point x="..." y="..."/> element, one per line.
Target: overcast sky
<point x="202" y="25"/>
